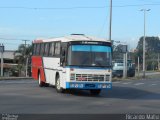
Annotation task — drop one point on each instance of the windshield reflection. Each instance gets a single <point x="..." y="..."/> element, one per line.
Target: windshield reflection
<point x="90" y="55"/>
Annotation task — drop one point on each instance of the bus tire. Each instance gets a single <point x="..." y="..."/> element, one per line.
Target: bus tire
<point x="57" y="85"/>
<point x="41" y="84"/>
<point x="46" y="85"/>
<point x="95" y="92"/>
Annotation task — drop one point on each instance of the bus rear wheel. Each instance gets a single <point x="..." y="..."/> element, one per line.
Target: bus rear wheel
<point x="95" y="92"/>
<point x="41" y="83"/>
<point x="58" y="86"/>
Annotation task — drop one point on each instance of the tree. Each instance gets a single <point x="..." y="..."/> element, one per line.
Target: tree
<point x="21" y="55"/>
<point x="117" y="54"/>
<point x="152" y="51"/>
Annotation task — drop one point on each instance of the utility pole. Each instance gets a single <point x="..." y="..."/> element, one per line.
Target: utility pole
<point x="124" y="65"/>
<point x="144" y="41"/>
<point x="138" y="66"/>
<point x="1" y="51"/>
<point x="125" y="57"/>
<point x="26" y="58"/>
<point x="110" y="22"/>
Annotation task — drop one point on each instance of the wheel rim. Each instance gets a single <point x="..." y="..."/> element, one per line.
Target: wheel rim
<point x="39" y="79"/>
<point x="58" y="84"/>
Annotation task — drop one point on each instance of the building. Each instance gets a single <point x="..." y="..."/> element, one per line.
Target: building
<point x="9" y="63"/>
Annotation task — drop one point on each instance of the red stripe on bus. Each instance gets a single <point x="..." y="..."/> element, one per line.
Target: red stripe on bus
<point x="37" y="67"/>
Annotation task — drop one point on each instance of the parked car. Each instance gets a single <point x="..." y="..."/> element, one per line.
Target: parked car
<point x="118" y="67"/>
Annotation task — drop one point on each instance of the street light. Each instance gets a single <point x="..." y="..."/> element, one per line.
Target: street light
<point x="144" y="40"/>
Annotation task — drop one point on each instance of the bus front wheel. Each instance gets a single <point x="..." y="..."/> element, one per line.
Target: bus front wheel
<point x="58" y="86"/>
<point x="95" y="92"/>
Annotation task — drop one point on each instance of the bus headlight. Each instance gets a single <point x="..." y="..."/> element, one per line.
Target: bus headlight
<point x="107" y="78"/>
<point x="72" y="77"/>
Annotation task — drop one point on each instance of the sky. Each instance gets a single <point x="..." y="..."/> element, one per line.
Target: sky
<point x="31" y="19"/>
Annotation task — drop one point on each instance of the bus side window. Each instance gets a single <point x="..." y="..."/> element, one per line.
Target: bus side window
<point x="42" y="49"/>
<point x="57" y="48"/>
<point x="51" y="50"/>
<point x="38" y="49"/>
<point x="46" y="49"/>
<point x="34" y="49"/>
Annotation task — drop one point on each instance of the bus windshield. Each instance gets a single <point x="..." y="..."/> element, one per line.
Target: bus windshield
<point x="89" y="55"/>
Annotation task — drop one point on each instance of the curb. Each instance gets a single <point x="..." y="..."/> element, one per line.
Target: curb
<point x="15" y="78"/>
<point x="135" y="78"/>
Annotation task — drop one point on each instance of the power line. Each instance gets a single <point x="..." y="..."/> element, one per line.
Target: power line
<point x="14" y="44"/>
<point x="10" y="43"/>
<point x="79" y="7"/>
<point x="39" y="8"/>
<point x="155" y="2"/>
<point x="138" y="5"/>
<point x="13" y="39"/>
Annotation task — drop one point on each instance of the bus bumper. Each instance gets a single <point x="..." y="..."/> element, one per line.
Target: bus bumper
<point x="88" y="86"/>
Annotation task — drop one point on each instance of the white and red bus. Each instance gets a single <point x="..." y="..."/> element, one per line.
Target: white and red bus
<point x="73" y="62"/>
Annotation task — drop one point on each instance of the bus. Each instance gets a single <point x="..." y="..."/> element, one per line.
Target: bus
<point x="76" y="61"/>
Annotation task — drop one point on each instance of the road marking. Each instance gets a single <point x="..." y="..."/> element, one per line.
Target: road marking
<point x="126" y="83"/>
<point x="138" y="84"/>
<point x="153" y="84"/>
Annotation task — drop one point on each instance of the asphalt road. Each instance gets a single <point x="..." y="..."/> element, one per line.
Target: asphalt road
<point x="24" y="96"/>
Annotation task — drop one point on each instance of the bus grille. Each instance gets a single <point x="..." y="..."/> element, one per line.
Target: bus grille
<point x="92" y="77"/>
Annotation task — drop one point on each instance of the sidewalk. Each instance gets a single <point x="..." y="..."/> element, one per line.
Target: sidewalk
<point x="149" y="75"/>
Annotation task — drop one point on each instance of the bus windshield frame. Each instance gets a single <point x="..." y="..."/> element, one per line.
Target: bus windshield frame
<point x="89" y="55"/>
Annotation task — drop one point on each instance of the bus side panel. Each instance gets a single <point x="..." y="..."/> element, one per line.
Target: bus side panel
<point x="63" y="78"/>
<point x="51" y="65"/>
<point x="37" y="66"/>
<point x="35" y="72"/>
<point x="34" y="68"/>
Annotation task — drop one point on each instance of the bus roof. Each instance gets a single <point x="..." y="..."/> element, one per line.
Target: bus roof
<point x="72" y="37"/>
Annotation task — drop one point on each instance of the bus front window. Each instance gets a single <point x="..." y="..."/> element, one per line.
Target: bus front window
<point x="89" y="55"/>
